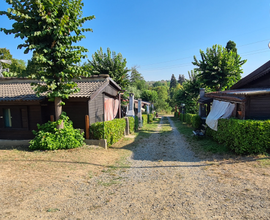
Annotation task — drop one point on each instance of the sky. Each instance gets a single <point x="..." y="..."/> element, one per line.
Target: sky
<point x="161" y="37"/>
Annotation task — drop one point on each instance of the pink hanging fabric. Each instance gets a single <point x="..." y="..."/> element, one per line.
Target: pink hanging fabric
<point x="110" y="108"/>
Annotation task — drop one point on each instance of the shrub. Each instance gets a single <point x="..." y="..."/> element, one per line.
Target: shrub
<point x="188" y="118"/>
<point x="144" y="118"/>
<point x="196" y="121"/>
<point x="150" y="118"/>
<point x="243" y="136"/>
<point x="131" y="124"/>
<point x="184" y="117"/>
<point x="48" y="137"/>
<point x="136" y="123"/>
<point x="181" y="117"/>
<point x="193" y="120"/>
<point x="112" y="130"/>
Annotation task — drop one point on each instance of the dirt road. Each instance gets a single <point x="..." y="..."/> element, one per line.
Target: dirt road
<point x="162" y="180"/>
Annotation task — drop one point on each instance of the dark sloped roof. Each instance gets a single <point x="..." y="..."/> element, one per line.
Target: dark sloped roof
<point x="205" y="100"/>
<point x="261" y="71"/>
<point x="21" y="89"/>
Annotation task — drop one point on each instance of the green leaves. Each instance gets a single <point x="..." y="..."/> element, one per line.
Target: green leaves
<point x="219" y="68"/>
<point x="48" y="137"/>
<point x="50" y="28"/>
<point x="109" y="63"/>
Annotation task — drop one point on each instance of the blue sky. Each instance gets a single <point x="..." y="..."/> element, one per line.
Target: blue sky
<point x="161" y="37"/>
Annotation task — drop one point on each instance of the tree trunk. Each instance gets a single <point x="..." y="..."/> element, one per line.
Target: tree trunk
<point x="58" y="111"/>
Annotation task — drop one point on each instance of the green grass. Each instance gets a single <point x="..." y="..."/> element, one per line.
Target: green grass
<point x="200" y="144"/>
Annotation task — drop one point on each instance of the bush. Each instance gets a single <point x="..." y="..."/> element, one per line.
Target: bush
<point x="112" y="130"/>
<point x="144" y="118"/>
<point x="196" y="121"/>
<point x="131" y="124"/>
<point x="181" y="117"/>
<point x="150" y="118"/>
<point x="193" y="120"/>
<point x="184" y="117"/>
<point x="188" y="118"/>
<point x="243" y="136"/>
<point x="136" y="123"/>
<point x="48" y="137"/>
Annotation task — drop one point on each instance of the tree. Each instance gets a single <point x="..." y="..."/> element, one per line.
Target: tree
<point x="16" y="67"/>
<point x="189" y="93"/>
<point x="135" y="76"/>
<point x="49" y="28"/>
<point x="231" y="46"/>
<point x="173" y="82"/>
<point x="149" y="96"/>
<point x="110" y="63"/>
<point x="181" y="79"/>
<point x="219" y="69"/>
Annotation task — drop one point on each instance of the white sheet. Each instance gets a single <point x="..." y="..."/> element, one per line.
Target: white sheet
<point x="219" y="110"/>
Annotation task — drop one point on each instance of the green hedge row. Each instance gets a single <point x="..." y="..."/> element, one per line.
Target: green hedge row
<point x="144" y="118"/>
<point x="243" y="136"/>
<point x="136" y="123"/>
<point x="150" y="118"/>
<point x="131" y="124"/>
<point x="113" y="130"/>
<point x="191" y="119"/>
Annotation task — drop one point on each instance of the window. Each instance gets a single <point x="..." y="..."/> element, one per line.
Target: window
<point x="7" y="118"/>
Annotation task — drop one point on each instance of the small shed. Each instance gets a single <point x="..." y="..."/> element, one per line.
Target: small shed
<point x="21" y="110"/>
<point x="251" y="95"/>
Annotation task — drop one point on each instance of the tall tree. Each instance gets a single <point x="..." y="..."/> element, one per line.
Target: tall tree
<point x="173" y="82"/>
<point x="219" y="69"/>
<point x="49" y="28"/>
<point x="181" y="79"/>
<point x="109" y="63"/>
<point x="231" y="46"/>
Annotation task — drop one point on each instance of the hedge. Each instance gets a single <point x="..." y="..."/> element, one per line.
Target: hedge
<point x="136" y="123"/>
<point x="144" y="118"/>
<point x="113" y="130"/>
<point x="131" y="124"/>
<point x="243" y="136"/>
<point x="150" y="118"/>
<point x="193" y="120"/>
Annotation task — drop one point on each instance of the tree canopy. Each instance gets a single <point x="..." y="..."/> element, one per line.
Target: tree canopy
<point x="231" y="46"/>
<point x="219" y="69"/>
<point x="181" y="79"/>
<point x="109" y="63"/>
<point x="16" y="67"/>
<point x="49" y="28"/>
<point x="173" y="82"/>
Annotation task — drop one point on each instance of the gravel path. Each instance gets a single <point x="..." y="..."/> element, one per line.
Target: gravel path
<point x="164" y="181"/>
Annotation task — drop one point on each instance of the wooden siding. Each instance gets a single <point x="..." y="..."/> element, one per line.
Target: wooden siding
<point x="76" y="111"/>
<point x="24" y="120"/>
<point x="258" y="107"/>
<point x="96" y="109"/>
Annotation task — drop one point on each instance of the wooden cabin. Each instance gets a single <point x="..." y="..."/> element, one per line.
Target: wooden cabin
<point x="251" y="95"/>
<point x="21" y="110"/>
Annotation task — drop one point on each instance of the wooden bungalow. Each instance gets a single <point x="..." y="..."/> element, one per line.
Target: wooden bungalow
<point x="251" y="95"/>
<point x="21" y="109"/>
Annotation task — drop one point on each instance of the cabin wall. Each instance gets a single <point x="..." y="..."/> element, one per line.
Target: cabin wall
<point x="258" y="107"/>
<point x="76" y="110"/>
<point x="96" y="108"/>
<point x="96" y="105"/>
<point x="23" y="119"/>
